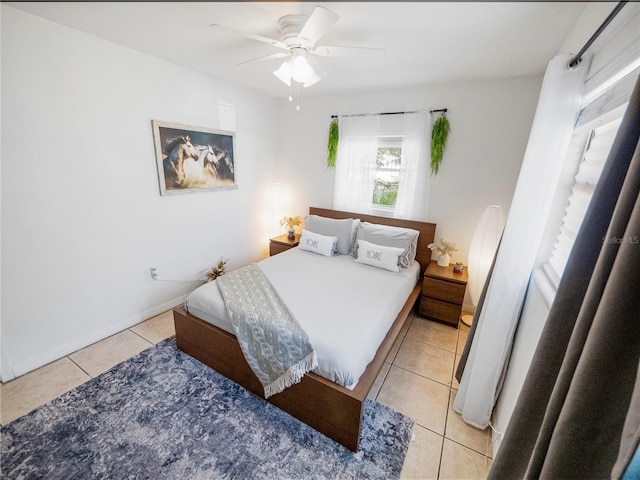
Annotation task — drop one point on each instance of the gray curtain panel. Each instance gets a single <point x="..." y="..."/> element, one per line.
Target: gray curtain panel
<point x="578" y="414"/>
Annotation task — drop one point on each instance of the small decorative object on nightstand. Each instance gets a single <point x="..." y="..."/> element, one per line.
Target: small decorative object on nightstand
<point x="291" y="223"/>
<point x="444" y="248"/>
<point x="282" y="242"/>
<point x="443" y="293"/>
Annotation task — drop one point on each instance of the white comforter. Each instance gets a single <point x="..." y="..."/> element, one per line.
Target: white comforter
<point x="345" y="307"/>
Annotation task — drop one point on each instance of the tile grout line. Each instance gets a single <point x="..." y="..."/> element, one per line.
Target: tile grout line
<point x="151" y="344"/>
<point x="434" y="346"/>
<point x="446" y="422"/>
<point x="449" y="387"/>
<point x="449" y="399"/>
<point x="444" y="436"/>
<point x="90" y="377"/>
<point x="77" y="365"/>
<point x="482" y="454"/>
<point x="143" y="338"/>
<point x="423" y="376"/>
<point x="382" y="383"/>
<point x="391" y="364"/>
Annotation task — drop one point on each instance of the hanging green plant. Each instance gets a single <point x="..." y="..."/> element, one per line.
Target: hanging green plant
<point x="332" y="146"/>
<point x="439" y="136"/>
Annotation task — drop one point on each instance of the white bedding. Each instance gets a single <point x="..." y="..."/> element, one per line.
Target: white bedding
<point x="345" y="307"/>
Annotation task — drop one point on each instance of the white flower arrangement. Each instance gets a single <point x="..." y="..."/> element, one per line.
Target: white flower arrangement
<point x="443" y="247"/>
<point x="291" y="222"/>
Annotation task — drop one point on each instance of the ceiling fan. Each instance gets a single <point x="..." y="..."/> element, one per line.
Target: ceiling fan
<point x="299" y="35"/>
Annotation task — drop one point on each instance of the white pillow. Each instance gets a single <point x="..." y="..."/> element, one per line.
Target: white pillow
<point x="354" y="234"/>
<point x="379" y="255"/>
<point x="389" y="236"/>
<point x="316" y="243"/>
<point x="342" y="229"/>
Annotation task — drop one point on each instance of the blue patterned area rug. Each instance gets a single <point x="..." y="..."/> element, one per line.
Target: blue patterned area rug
<point x="163" y="414"/>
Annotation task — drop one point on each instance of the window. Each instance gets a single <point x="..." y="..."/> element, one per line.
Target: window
<point x="594" y="141"/>
<point x="382" y="165"/>
<point x="386" y="175"/>
<point x="593" y="135"/>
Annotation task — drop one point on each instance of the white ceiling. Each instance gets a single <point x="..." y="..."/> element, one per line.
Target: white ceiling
<point x="424" y="42"/>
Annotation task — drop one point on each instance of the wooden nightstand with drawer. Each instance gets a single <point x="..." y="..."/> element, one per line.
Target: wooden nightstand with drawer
<point x="443" y="293"/>
<point x="281" y="243"/>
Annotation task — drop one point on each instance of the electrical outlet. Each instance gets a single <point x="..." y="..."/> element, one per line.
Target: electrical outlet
<point x="154" y="272"/>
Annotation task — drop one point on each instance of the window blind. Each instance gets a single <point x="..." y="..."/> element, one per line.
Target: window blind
<point x="614" y="96"/>
<point x="595" y="152"/>
<point x="613" y="70"/>
<point x="616" y="49"/>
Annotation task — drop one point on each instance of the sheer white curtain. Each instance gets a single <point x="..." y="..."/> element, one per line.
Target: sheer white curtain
<point x="413" y="190"/>
<point x="355" y="162"/>
<point x="496" y="322"/>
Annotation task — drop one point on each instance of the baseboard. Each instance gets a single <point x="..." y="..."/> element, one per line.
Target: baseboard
<point x="63" y="350"/>
<point x="6" y="368"/>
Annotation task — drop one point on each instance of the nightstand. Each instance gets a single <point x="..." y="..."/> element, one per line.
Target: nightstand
<point x="281" y="243"/>
<point x="443" y="293"/>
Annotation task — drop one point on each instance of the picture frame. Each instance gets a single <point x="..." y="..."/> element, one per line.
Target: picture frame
<point x="193" y="159"/>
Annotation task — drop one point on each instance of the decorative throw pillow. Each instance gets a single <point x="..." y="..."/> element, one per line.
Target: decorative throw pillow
<point x="379" y="256"/>
<point x="316" y="243"/>
<point x="339" y="228"/>
<point x="406" y="238"/>
<point x="354" y="234"/>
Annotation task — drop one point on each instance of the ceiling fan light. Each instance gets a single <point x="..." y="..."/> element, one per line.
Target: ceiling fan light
<point x="313" y="79"/>
<point x="301" y="71"/>
<point x="284" y="73"/>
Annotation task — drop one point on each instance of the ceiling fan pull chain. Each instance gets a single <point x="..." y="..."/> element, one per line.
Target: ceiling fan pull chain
<point x="297" y="96"/>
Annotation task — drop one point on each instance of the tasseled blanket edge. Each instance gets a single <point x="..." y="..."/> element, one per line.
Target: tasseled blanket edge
<point x="292" y="375"/>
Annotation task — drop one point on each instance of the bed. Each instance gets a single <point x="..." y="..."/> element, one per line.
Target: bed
<point x="331" y="405"/>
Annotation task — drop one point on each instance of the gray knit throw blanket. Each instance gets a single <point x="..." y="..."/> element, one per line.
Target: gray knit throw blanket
<point x="276" y="347"/>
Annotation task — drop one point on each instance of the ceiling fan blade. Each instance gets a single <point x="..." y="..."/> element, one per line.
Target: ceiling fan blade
<point x="266" y="57"/>
<point x="259" y="38"/>
<point x="339" y="51"/>
<point x="318" y="23"/>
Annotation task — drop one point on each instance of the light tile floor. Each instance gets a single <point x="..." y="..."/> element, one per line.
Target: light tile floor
<point x="417" y="380"/>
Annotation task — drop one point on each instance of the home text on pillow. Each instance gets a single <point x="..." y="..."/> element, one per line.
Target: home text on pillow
<point x="316" y="243"/>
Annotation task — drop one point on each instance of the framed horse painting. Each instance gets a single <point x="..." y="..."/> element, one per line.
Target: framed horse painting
<point x="193" y="159"/>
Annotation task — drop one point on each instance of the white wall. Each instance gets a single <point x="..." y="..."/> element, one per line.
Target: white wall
<point x="490" y="123"/>
<point x="534" y="315"/>
<point x="82" y="218"/>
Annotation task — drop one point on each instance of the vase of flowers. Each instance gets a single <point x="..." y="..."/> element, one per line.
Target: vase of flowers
<point x="291" y="224"/>
<point x="444" y="249"/>
<point x="218" y="270"/>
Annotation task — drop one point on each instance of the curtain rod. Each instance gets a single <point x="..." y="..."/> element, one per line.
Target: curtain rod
<point x="575" y="61"/>
<point x="386" y="113"/>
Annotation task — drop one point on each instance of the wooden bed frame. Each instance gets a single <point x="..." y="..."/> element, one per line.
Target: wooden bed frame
<point x="324" y="405"/>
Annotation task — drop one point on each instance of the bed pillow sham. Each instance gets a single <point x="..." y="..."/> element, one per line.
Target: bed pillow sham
<point x="387" y="258"/>
<point x="332" y="227"/>
<point x="316" y="243"/>
<point x="354" y="234"/>
<point x="385" y="235"/>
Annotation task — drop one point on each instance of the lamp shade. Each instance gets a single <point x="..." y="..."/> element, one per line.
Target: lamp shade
<point x="483" y="248"/>
<point x="284" y="73"/>
<point x="300" y="68"/>
<point x="301" y="71"/>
